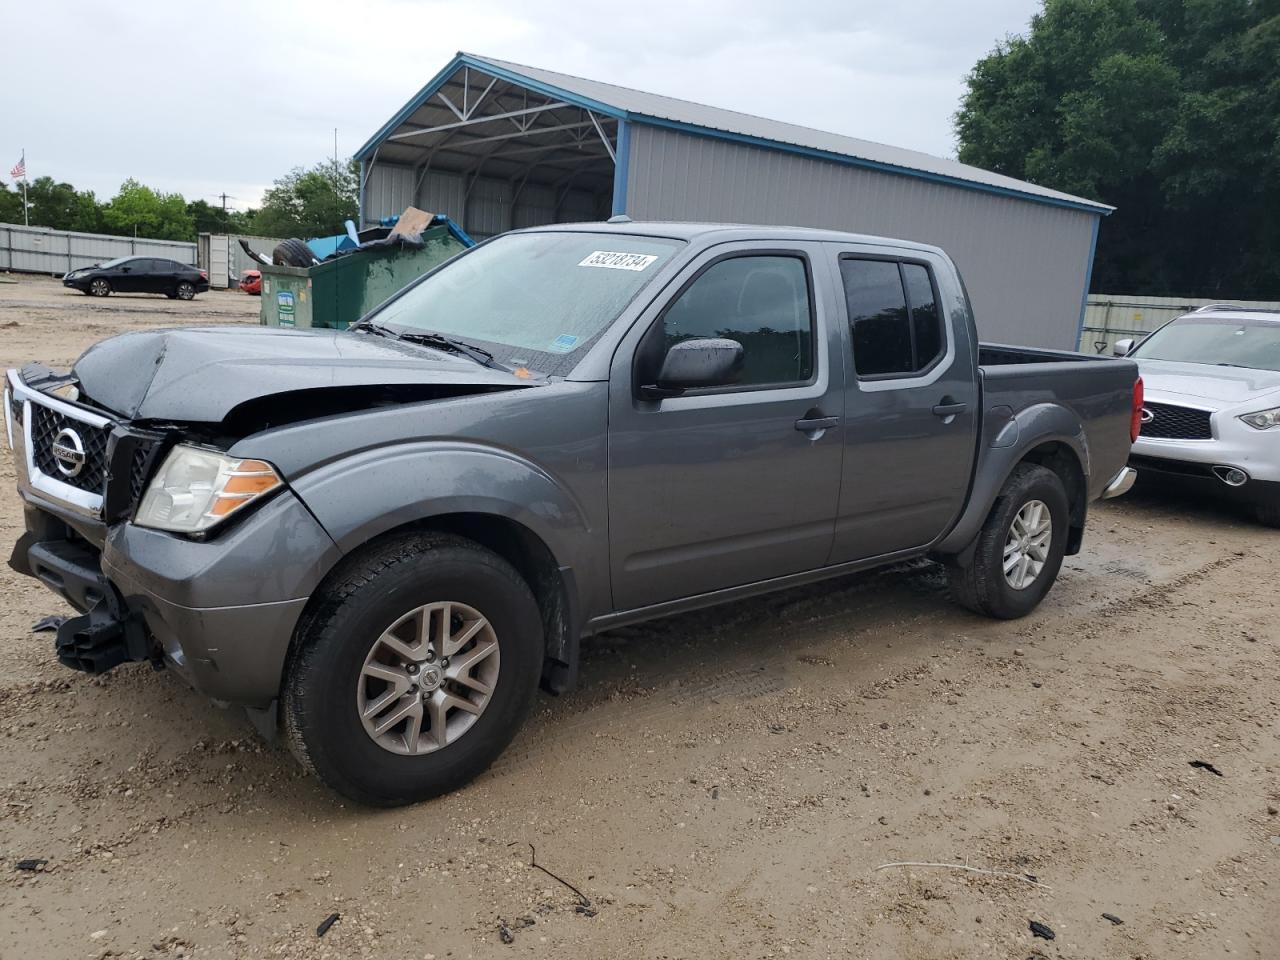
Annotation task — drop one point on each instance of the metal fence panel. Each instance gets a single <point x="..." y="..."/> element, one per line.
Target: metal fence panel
<point x="44" y="250"/>
<point x="1110" y="317"/>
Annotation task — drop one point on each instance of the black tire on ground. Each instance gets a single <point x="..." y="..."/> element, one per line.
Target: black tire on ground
<point x="981" y="585"/>
<point x="292" y="253"/>
<point x="1267" y="514"/>
<point x="319" y="711"/>
<point x="100" y="287"/>
<point x="185" y="291"/>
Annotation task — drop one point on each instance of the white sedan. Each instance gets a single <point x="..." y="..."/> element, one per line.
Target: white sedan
<point x="1211" y="413"/>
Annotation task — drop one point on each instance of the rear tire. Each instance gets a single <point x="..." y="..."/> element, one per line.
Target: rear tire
<point x="100" y="288"/>
<point x="365" y="627"/>
<point x="185" y="291"/>
<point x="983" y="585"/>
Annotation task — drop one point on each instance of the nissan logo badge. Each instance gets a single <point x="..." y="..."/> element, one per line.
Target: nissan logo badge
<point x="68" y="452"/>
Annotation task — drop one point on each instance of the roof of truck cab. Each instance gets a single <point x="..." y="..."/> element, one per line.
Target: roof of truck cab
<point x="691" y="231"/>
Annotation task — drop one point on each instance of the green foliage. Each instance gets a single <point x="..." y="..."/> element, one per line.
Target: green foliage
<point x="1168" y="110"/>
<point x="138" y="210"/>
<point x="310" y="203"/>
<point x="10" y="204"/>
<point x="211" y="219"/>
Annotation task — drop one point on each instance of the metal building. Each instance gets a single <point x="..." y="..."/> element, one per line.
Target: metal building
<point x="498" y="146"/>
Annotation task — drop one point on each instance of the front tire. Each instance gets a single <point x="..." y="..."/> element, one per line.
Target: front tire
<point x="1267" y="514"/>
<point x="1019" y="549"/>
<point x="100" y="288"/>
<point x="414" y="671"/>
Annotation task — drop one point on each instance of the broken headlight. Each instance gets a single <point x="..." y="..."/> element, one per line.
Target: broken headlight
<point x="196" y="489"/>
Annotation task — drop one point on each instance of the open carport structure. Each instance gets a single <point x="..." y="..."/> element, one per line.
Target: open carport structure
<point x="498" y="146"/>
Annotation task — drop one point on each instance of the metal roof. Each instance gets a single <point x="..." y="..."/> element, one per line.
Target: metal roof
<point x="624" y="103"/>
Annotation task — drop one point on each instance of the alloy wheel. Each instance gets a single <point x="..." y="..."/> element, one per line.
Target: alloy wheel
<point x="428" y="678"/>
<point x="1026" y="549"/>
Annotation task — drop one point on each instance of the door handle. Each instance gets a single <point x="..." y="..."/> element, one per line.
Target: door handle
<point x="949" y="408"/>
<point x="811" y="424"/>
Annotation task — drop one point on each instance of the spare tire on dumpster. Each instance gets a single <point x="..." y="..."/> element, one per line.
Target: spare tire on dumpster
<point x="292" y="253"/>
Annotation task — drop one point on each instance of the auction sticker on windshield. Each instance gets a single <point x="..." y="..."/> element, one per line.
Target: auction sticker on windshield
<point x="617" y="261"/>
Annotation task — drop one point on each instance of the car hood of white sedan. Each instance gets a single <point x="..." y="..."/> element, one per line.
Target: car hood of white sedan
<point x="1225" y="385"/>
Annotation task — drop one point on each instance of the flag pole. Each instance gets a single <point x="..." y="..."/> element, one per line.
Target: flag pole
<point x="26" y="214"/>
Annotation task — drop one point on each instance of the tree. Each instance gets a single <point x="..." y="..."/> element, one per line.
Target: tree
<point x="1168" y="110"/>
<point x="10" y="204"/>
<point x="138" y="210"/>
<point x="310" y="203"/>
<point x="210" y="219"/>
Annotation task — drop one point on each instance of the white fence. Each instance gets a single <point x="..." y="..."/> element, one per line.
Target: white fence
<point x="44" y="250"/>
<point x="1110" y="318"/>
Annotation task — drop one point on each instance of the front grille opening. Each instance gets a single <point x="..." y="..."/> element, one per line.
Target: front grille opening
<point x="46" y="425"/>
<point x="1170" y="422"/>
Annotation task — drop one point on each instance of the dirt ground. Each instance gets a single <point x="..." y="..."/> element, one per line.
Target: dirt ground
<point x="723" y="784"/>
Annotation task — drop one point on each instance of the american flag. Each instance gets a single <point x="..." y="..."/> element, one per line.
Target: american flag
<point x="19" y="171"/>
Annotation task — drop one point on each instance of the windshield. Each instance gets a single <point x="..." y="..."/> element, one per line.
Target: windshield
<point x="116" y="262"/>
<point x="1226" y="341"/>
<point x="532" y="299"/>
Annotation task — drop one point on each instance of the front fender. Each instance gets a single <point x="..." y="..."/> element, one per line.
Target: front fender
<point x="362" y="496"/>
<point x="1031" y="427"/>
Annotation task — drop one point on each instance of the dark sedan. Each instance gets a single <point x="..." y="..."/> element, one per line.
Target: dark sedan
<point x="139" y="275"/>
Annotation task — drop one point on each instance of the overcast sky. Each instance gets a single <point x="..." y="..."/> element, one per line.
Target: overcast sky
<point x="227" y="96"/>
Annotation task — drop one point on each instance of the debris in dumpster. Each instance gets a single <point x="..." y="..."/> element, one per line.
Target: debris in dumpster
<point x="293" y="253"/>
<point x="504" y="933"/>
<point x="533" y="862"/>
<point x="30" y="866"/>
<point x="328" y="922"/>
<point x="412" y="222"/>
<point x="49" y="624"/>
<point x="1042" y="931"/>
<point x="1113" y="918"/>
<point x="1204" y="765"/>
<point x="252" y="254"/>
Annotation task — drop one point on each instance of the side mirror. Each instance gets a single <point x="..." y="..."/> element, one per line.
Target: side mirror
<point x="690" y="364"/>
<point x="1121" y="348"/>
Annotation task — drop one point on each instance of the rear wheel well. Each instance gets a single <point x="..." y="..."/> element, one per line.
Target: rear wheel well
<point x="1062" y="460"/>
<point x="532" y="559"/>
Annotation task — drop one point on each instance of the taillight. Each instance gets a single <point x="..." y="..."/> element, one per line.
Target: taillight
<point x="1135" y="419"/>
<point x="204" y="275"/>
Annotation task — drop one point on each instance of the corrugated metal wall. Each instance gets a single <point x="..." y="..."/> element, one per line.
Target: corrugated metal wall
<point x="491" y="208"/>
<point x="1024" y="263"/>
<point x="43" y="250"/>
<point x="223" y="257"/>
<point x="1110" y="317"/>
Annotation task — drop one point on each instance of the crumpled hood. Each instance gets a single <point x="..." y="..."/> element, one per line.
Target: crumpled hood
<point x="1226" y="386"/>
<point x="200" y="374"/>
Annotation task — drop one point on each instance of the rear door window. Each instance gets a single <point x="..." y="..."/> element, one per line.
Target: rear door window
<point x="893" y="317"/>
<point x="763" y="303"/>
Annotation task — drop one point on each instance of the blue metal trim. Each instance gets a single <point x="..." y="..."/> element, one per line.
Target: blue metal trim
<point x="621" y="167"/>
<point x="847" y="160"/>
<point x="1088" y="279"/>
<point x="466" y="60"/>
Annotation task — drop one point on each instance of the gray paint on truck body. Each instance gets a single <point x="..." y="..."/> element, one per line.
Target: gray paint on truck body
<point x="647" y="507"/>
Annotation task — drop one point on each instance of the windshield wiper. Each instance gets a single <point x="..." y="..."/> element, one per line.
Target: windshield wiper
<point x="437" y="341"/>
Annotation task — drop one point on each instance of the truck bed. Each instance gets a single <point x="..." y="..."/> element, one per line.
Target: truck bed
<point x="1099" y="390"/>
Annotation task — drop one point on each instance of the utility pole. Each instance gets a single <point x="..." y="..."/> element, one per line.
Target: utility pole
<point x="335" y="156"/>
<point x="26" y="211"/>
<point x="223" y="195"/>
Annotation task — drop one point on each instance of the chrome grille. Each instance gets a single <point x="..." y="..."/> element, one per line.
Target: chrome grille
<point x="1167" y="421"/>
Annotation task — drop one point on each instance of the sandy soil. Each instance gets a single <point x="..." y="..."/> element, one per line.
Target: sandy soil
<point x="724" y="784"/>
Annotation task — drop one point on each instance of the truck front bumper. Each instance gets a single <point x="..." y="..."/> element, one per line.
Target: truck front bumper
<point x="220" y="612"/>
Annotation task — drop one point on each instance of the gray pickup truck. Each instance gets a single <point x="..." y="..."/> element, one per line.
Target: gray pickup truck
<point x="380" y="540"/>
